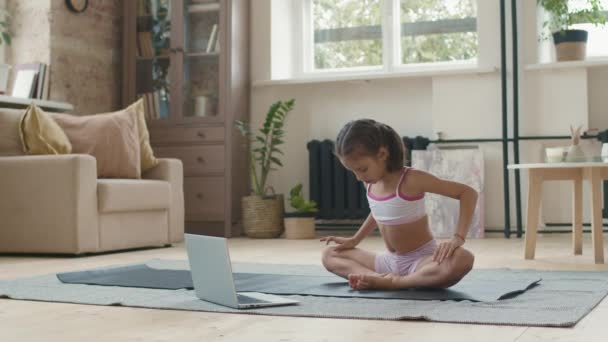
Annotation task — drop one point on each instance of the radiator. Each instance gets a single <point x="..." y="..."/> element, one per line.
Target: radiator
<point x="336" y="190"/>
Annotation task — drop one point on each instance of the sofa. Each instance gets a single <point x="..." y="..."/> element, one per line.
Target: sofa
<point x="56" y="204"/>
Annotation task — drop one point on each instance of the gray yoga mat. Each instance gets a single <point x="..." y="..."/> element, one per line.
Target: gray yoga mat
<point x="561" y="299"/>
<point x="479" y="285"/>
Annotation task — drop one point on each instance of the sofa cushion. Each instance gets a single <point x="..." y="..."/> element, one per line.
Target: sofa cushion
<point x="41" y="135"/>
<point x="119" y="195"/>
<point x="113" y="139"/>
<point x="10" y="141"/>
<point x="148" y="160"/>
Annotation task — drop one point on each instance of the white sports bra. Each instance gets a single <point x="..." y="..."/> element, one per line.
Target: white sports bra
<point x="396" y="208"/>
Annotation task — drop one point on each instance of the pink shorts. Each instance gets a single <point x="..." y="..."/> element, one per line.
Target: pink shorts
<point x="403" y="264"/>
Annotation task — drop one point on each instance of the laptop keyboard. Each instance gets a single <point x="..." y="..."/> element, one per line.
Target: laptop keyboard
<point x="242" y="299"/>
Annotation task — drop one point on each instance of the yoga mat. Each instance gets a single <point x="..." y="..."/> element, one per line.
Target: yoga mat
<point x="561" y="299"/>
<point x="478" y="285"/>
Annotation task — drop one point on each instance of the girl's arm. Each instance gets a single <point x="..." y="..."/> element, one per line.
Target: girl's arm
<point x="366" y="228"/>
<point x="347" y="243"/>
<point x="426" y="182"/>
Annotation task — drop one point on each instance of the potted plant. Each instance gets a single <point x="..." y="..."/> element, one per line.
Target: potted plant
<point x="263" y="209"/>
<point x="301" y="223"/>
<point x="571" y="44"/>
<point x="5" y="38"/>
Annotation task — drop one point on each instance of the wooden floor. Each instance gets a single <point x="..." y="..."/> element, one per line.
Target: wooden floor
<point x="39" y="321"/>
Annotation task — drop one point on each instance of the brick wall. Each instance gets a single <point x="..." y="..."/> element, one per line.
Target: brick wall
<point x="83" y="50"/>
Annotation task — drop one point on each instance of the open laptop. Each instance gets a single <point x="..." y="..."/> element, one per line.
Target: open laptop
<point x="212" y="276"/>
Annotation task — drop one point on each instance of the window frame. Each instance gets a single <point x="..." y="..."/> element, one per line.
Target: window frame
<point x="391" y="46"/>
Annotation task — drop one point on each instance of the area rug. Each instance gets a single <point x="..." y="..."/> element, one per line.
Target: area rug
<point x="561" y="299"/>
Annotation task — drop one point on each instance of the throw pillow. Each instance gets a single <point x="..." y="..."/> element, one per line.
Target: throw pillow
<point x="112" y="138"/>
<point x="148" y="160"/>
<point x="41" y="135"/>
<point x="10" y="137"/>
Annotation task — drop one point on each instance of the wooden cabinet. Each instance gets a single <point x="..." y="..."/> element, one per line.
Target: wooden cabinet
<point x="189" y="61"/>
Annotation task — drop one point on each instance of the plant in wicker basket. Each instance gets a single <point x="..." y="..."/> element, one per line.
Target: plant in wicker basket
<point x="301" y="223"/>
<point x="263" y="209"/>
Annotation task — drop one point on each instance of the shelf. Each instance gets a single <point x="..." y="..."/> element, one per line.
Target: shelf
<point x="202" y="54"/>
<point x="589" y="63"/>
<point x="18" y="102"/>
<point x="204" y="8"/>
<point x="155" y="57"/>
<point x="426" y="72"/>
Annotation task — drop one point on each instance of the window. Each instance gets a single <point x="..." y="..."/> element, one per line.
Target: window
<point x="598" y="35"/>
<point x="438" y="30"/>
<point x="347" y="35"/>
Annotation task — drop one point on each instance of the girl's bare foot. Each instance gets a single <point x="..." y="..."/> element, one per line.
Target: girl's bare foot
<point x="364" y="282"/>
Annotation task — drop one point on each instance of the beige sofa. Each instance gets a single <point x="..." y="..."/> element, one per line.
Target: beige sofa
<point x="56" y="204"/>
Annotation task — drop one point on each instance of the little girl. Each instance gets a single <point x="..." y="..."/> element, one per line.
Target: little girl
<point x="375" y="153"/>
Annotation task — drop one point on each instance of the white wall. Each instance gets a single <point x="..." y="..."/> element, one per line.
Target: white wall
<point x="462" y="106"/>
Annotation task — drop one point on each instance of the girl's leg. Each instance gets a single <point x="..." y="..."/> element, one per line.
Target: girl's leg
<point x="431" y="274"/>
<point x="428" y="274"/>
<point x="349" y="261"/>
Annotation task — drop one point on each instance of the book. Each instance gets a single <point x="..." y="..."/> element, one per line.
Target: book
<point x="40" y="81"/>
<point x="24" y="85"/>
<point x="156" y="102"/>
<point x="146" y="109"/>
<point x="145" y="47"/>
<point x="46" y="91"/>
<point x="212" y="39"/>
<point x="143" y="8"/>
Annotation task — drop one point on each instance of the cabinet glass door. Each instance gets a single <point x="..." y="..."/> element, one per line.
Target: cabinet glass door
<point x="153" y="62"/>
<point x="201" y="34"/>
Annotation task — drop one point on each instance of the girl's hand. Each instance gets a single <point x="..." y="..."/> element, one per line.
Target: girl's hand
<point x="446" y="249"/>
<point x="342" y="242"/>
<point x="381" y="282"/>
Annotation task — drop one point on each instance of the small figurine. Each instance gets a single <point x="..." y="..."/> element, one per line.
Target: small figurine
<point x="575" y="152"/>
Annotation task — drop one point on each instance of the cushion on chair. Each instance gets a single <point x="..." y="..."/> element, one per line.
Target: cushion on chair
<point x="113" y="139"/>
<point x="148" y="160"/>
<point x="119" y="195"/>
<point x="41" y="135"/>
<point x="10" y="141"/>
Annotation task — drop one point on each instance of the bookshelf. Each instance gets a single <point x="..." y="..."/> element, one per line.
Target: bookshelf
<point x="189" y="61"/>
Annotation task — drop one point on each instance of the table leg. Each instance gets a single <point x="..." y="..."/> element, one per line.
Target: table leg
<point x="597" y="227"/>
<point x="577" y="215"/>
<point x="535" y="182"/>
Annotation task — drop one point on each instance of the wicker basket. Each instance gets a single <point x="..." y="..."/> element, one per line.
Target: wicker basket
<point x="263" y="217"/>
<point x="300" y="227"/>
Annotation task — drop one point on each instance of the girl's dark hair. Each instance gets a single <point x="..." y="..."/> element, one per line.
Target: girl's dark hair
<point x="366" y="136"/>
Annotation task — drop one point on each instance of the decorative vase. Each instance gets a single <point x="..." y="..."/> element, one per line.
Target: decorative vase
<point x="262" y="216"/>
<point x="575" y="154"/>
<point x="299" y="226"/>
<point x="570" y="45"/>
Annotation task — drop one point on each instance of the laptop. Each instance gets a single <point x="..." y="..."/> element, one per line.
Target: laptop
<point x="212" y="276"/>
